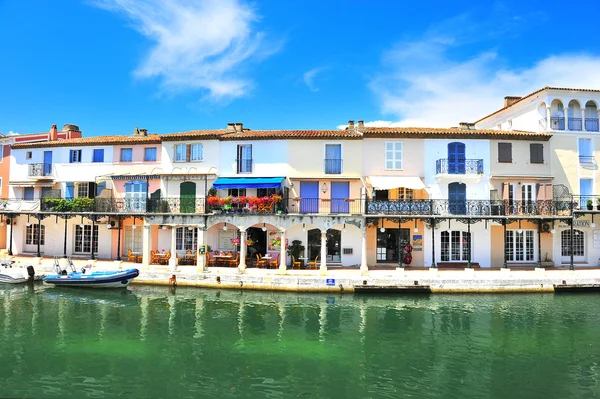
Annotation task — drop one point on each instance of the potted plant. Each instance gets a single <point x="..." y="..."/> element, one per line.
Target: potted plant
<point x="296" y="249"/>
<point x="590" y="205"/>
<point x="598" y="203"/>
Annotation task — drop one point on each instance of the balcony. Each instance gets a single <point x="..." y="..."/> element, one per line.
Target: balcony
<point x="333" y="166"/>
<point x="591" y="124"/>
<point x="40" y="170"/>
<point x="575" y="124"/>
<point x="468" y="167"/>
<point x="557" y="123"/>
<point x="587" y="160"/>
<point x="586" y="202"/>
<point x="329" y="206"/>
<point x="469" y="207"/>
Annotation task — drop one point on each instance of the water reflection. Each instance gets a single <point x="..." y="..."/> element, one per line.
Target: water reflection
<point x="155" y="342"/>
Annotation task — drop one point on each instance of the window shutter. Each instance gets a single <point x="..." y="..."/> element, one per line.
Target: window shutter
<point x="505" y="191"/>
<point x="99" y="187"/>
<point x="239" y="158"/>
<point x="188" y="152"/>
<point x="505" y="152"/>
<point x="69" y="190"/>
<point x="92" y="190"/>
<point x="536" y="152"/>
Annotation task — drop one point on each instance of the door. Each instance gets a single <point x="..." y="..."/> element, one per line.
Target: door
<point x="578" y="246"/>
<point x="309" y="197"/>
<point x="585" y="192"/>
<point x="187" y="196"/>
<point x="339" y="192"/>
<point x="456" y="158"/>
<point x="457" y="198"/>
<point x="28" y="193"/>
<point x="333" y="159"/>
<point x="47" y="163"/>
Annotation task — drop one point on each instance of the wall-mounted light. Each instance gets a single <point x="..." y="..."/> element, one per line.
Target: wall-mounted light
<point x="324" y="188"/>
<point x="416" y="229"/>
<point x="485" y="225"/>
<point x="27" y="224"/>
<point x="1" y="220"/>
<point x="190" y="228"/>
<point x="164" y="227"/>
<point x="593" y="224"/>
<point x="553" y="231"/>
<point x="264" y="228"/>
<point x="449" y="229"/>
<point x="520" y="229"/>
<point x="382" y="229"/>
<point x="108" y="225"/>
<point x="344" y="228"/>
<point x="225" y="226"/>
<point x="303" y="227"/>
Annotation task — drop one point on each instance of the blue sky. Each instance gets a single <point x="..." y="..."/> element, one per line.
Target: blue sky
<point x="112" y="65"/>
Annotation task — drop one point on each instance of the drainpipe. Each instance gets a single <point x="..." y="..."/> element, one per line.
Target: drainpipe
<point x="39" y="254"/>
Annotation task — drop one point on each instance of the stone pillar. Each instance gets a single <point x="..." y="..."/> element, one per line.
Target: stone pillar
<point x="243" y="248"/>
<point x="146" y="234"/>
<point x="548" y="125"/>
<point x="566" y="115"/>
<point x="323" y="251"/>
<point x="583" y="119"/>
<point x="201" y="242"/>
<point x="282" y="254"/>
<point x="364" y="269"/>
<point x="173" y="260"/>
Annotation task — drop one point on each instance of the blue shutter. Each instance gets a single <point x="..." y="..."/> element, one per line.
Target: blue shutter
<point x="457" y="196"/>
<point x="339" y="192"/>
<point x="99" y="187"/>
<point x="456" y="158"/>
<point x="98" y="155"/>
<point x="309" y="197"/>
<point x="70" y="190"/>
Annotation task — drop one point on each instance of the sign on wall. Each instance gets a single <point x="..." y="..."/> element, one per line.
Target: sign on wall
<point x="225" y="237"/>
<point x="417" y="243"/>
<point x="576" y="223"/>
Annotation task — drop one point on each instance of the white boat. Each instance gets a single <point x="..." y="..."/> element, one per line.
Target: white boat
<point x="12" y="274"/>
<point x="95" y="279"/>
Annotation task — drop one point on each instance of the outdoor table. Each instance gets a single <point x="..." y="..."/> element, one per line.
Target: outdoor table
<point x="222" y="258"/>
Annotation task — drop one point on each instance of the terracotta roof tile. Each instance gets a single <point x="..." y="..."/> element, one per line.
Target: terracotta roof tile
<point x="90" y="141"/>
<point x="454" y="132"/>
<point x="194" y="134"/>
<point x="536" y="92"/>
<point x="292" y="135"/>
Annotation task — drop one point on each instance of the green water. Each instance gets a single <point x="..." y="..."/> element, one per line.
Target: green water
<point x="155" y="343"/>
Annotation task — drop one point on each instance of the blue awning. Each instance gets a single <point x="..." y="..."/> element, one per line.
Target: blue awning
<point x="247" y="182"/>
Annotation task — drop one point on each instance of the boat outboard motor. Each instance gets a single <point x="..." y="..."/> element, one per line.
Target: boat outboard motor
<point x="30" y="272"/>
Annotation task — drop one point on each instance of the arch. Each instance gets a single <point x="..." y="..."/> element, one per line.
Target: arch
<point x="591" y="116"/>
<point x="591" y="103"/>
<point x="557" y="107"/>
<point x="574" y="109"/>
<point x="578" y="246"/>
<point x="542" y="110"/>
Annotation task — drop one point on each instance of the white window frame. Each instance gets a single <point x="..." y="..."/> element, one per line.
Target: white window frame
<point x="28" y="155"/>
<point x="513" y="254"/>
<point x="462" y="252"/>
<point x="200" y="151"/>
<point x="83" y="239"/>
<point x="177" y="158"/>
<point x="87" y="190"/>
<point x="186" y="239"/>
<point x="133" y="239"/>
<point x="528" y="187"/>
<point x="75" y="156"/>
<point x="31" y="234"/>
<point x="394" y="163"/>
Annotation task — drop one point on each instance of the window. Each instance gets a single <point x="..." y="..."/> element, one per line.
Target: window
<point x="393" y="155"/>
<point x="75" y="156"/>
<point x="150" y="154"/>
<point x="520" y="246"/>
<point x="578" y="243"/>
<point x="28" y="193"/>
<point x="84" y="240"/>
<point x="536" y="153"/>
<point x="510" y="124"/>
<point x="333" y="159"/>
<point x="265" y="192"/>
<point x="244" y="158"/>
<point x="98" y="155"/>
<point x="31" y="235"/>
<point x="133" y="239"/>
<point x="28" y="155"/>
<point x="505" y="152"/>
<point x="456" y="246"/>
<point x="585" y="151"/>
<point x="126" y="154"/>
<point x="185" y="239"/>
<point x="236" y="192"/>
<point x="188" y="153"/>
<point x="83" y="190"/>
<point x="135" y="195"/>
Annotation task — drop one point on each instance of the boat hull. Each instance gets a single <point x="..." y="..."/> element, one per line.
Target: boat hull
<point x="16" y="275"/>
<point x="119" y="279"/>
<point x="7" y="279"/>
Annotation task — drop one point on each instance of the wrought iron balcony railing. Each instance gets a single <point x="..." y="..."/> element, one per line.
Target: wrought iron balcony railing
<point x="333" y="166"/>
<point x="461" y="167"/>
<point x="40" y="170"/>
<point x="351" y="206"/>
<point x="587" y="159"/>
<point x="586" y="202"/>
<point x="557" y="123"/>
<point x="575" y="123"/>
<point x="591" y="124"/>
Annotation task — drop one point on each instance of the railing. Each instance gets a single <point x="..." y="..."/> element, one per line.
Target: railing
<point x="333" y="166"/>
<point x="466" y="167"/>
<point x="262" y="206"/>
<point x="575" y="123"/>
<point x="469" y="207"/>
<point x="40" y="170"/>
<point x="150" y="205"/>
<point x="587" y="159"/>
<point x="586" y="202"/>
<point x="244" y="165"/>
<point x="591" y="124"/>
<point x="557" y="123"/>
<point x="351" y="206"/>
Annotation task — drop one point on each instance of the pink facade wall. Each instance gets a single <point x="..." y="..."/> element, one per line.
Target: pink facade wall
<point x="119" y="187"/>
<point x="137" y="153"/>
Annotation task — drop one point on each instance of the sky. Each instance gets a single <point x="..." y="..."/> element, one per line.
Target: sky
<point x="109" y="66"/>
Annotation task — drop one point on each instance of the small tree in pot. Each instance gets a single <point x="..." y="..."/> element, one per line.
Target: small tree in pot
<point x="295" y="249"/>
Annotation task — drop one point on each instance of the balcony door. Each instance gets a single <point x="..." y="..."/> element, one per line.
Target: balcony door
<point x="309" y="197"/>
<point x="457" y="198"/>
<point x="47" y="163"/>
<point x="456" y="158"/>
<point x="339" y="192"/>
<point x="187" y="196"/>
<point x="585" y="192"/>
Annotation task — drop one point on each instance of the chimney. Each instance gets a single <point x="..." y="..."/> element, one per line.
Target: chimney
<point x="239" y="126"/>
<point x="361" y="124"/>
<point x="53" y="135"/>
<point x="72" y="131"/>
<point x="466" y="126"/>
<point x="510" y="100"/>
<point x="136" y="131"/>
<point x="350" y="124"/>
<point x="231" y="127"/>
<point x="143" y="132"/>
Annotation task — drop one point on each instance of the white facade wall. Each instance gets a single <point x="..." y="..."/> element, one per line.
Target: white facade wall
<point x="480" y="241"/>
<point x="269" y="158"/>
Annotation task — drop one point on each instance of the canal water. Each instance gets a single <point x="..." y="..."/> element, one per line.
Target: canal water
<point x="148" y="342"/>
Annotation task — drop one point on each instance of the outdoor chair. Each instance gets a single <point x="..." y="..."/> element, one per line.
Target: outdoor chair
<point x="310" y="265"/>
<point x="260" y="262"/>
<point x="295" y="263"/>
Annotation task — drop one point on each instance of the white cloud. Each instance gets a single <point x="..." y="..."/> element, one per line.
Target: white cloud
<point x="421" y="83"/>
<point x="11" y="133"/>
<point x="310" y="76"/>
<point x="198" y="44"/>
